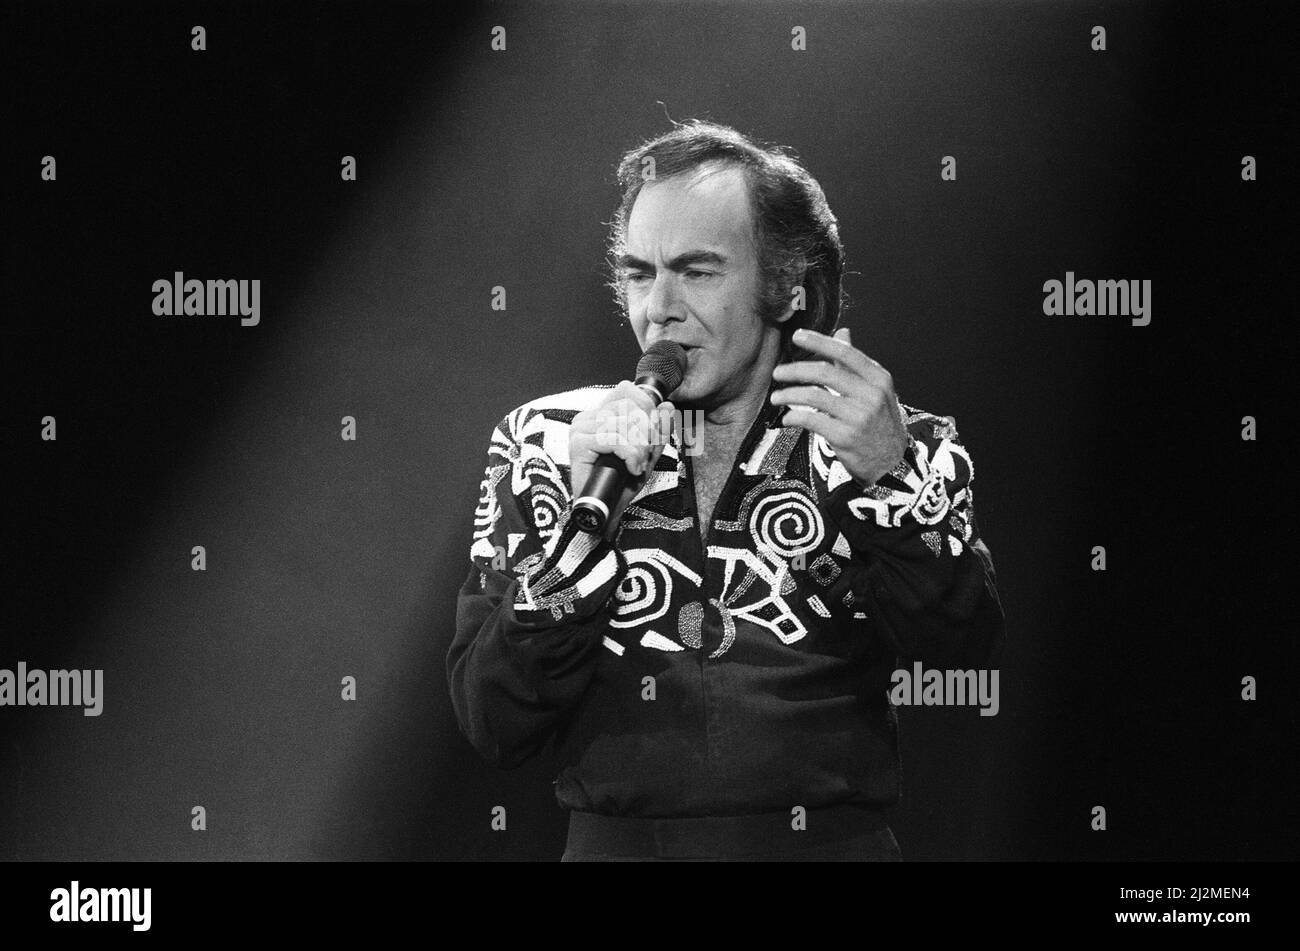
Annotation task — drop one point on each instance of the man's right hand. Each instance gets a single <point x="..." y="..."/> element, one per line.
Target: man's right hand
<point x="627" y="424"/>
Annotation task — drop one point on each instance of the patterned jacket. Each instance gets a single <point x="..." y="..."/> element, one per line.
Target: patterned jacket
<point x="747" y="675"/>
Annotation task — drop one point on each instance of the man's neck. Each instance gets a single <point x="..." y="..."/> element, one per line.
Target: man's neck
<point x="724" y="426"/>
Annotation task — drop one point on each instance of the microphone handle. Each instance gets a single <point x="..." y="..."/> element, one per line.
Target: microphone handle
<point x="608" y="476"/>
<point x="653" y="386"/>
<point x="591" y="510"/>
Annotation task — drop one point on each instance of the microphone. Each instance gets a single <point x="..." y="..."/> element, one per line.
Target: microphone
<point x="658" y="372"/>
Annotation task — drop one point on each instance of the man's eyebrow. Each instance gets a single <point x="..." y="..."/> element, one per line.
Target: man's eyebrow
<point x="682" y="262"/>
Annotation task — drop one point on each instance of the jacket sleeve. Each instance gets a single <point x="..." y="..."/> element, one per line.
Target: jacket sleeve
<point x="531" y="614"/>
<point x="929" y="575"/>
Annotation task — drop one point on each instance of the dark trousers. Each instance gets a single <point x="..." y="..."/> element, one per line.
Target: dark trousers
<point x="834" y="834"/>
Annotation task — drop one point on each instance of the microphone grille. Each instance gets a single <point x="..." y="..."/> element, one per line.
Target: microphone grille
<point x="667" y="361"/>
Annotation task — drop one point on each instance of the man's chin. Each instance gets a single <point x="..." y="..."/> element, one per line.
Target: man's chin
<point x="689" y="392"/>
<point x="693" y="386"/>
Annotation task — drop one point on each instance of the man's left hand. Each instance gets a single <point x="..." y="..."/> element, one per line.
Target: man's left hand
<point x="852" y="402"/>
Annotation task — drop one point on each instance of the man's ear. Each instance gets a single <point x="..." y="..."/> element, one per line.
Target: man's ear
<point x="797" y="300"/>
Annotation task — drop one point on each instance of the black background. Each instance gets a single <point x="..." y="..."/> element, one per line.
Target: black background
<point x="477" y="168"/>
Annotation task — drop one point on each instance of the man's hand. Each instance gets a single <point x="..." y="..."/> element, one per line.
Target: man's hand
<point x="627" y="424"/>
<point x="852" y="402"/>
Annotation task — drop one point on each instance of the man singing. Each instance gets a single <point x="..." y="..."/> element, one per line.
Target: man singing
<point x="715" y="669"/>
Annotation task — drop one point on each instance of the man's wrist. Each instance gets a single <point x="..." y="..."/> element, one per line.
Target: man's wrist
<point x="574" y="579"/>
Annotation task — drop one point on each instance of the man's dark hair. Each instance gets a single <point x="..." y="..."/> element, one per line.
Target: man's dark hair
<point x="796" y="234"/>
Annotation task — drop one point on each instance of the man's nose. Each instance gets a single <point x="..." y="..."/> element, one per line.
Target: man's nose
<point x="664" y="302"/>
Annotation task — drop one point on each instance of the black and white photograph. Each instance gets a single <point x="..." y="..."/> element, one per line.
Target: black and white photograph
<point x="587" y="431"/>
